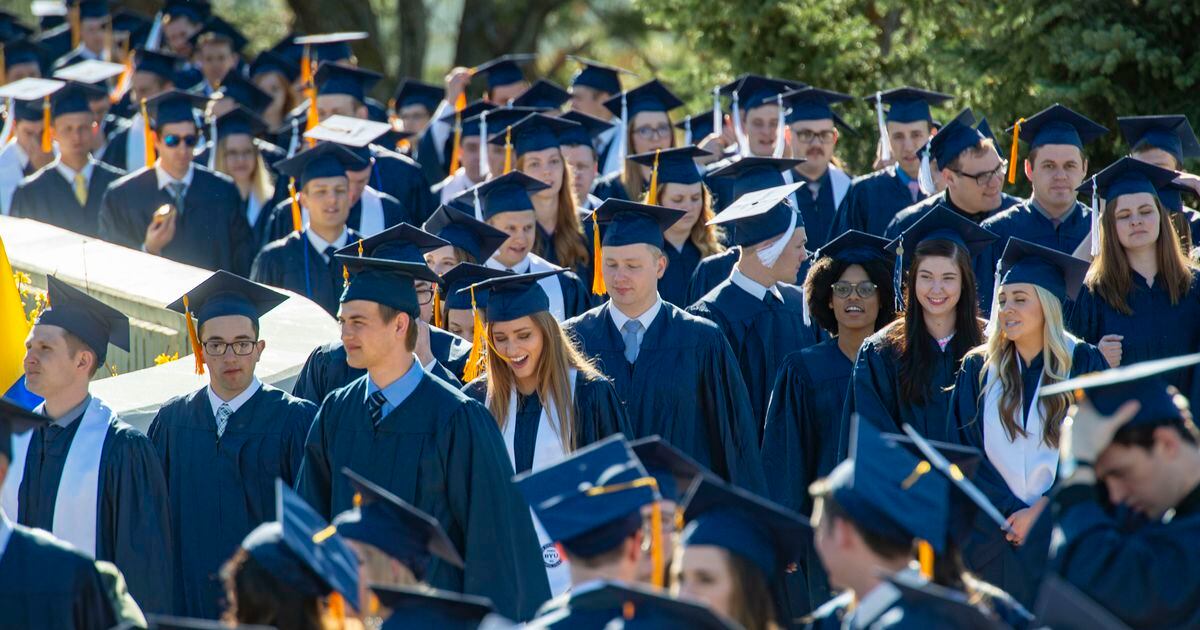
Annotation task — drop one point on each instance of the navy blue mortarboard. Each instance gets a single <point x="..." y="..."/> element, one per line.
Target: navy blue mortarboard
<point x="675" y="166"/>
<point x="429" y="609"/>
<point x="395" y="527"/>
<point x="469" y="117"/>
<point x="908" y="104"/>
<point x="327" y="159"/>
<point x="463" y="231"/>
<point x="269" y="61"/>
<point x="543" y="94"/>
<point x="513" y="297"/>
<point x="766" y="534"/>
<point x="74" y="98"/>
<point x="1059" y="125"/>
<point x="401" y="242"/>
<point x="93" y="9"/>
<point x="1060" y="274"/>
<point x="458" y="280"/>
<point x="221" y="28"/>
<point x="341" y="78"/>
<point x="126" y="21"/>
<point x="174" y="106"/>
<point x="29" y="96"/>
<point x="89" y="71"/>
<point x="754" y="90"/>
<point x="629" y="222"/>
<point x="1127" y="176"/>
<point x="507" y="193"/>
<point x="224" y="293"/>
<point x="942" y="223"/>
<point x="585" y="134"/>
<point x="956" y="136"/>
<point x="413" y="92"/>
<point x="243" y="92"/>
<point x="16" y="419"/>
<point x="1062" y="606"/>
<point x="592" y="500"/>
<point x="888" y="491"/>
<point x="1171" y="196"/>
<point x="504" y="70"/>
<point x="812" y="103"/>
<point x="1143" y="382"/>
<point x="674" y="470"/>
<point x="383" y="281"/>
<point x="760" y="215"/>
<point x="94" y="322"/>
<point x="1172" y="134"/>
<point x="499" y="119"/>
<point x="194" y="10"/>
<point x="696" y="127"/>
<point x="239" y="121"/>
<point x="330" y="47"/>
<point x="598" y="76"/>
<point x="951" y="608"/>
<point x="856" y="247"/>
<point x="535" y="132"/>
<point x="753" y="173"/>
<point x="21" y="51"/>
<point x="652" y="96"/>
<point x="637" y="607"/>
<point x="304" y="552"/>
<point x="157" y="63"/>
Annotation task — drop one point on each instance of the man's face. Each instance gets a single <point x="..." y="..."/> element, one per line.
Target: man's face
<point x="216" y="60"/>
<point x="147" y="85"/>
<point x="368" y="339"/>
<point x="470" y="157"/>
<point x="49" y="365"/>
<point x="328" y="202"/>
<point x="415" y="117"/>
<point x="760" y="126"/>
<point x="906" y="139"/>
<point x="788" y="265"/>
<point x="1140" y="478"/>
<point x="19" y="71"/>
<point x="502" y="94"/>
<point x="230" y="371"/>
<point x="179" y="134"/>
<point x="815" y="140"/>
<point x="74" y="133"/>
<point x="358" y="181"/>
<point x="582" y="162"/>
<point x="1055" y="172"/>
<point x="178" y="32"/>
<point x="339" y="105"/>
<point x="965" y="190"/>
<point x="631" y="273"/>
<point x="590" y="101"/>
<point x="29" y="135"/>
<point x="92" y="33"/>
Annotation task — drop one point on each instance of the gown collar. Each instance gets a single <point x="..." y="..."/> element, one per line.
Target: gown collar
<point x="743" y="282"/>
<point x="236" y="402"/>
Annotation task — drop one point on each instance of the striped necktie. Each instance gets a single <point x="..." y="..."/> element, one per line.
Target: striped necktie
<point x="375" y="407"/>
<point x="223" y="413"/>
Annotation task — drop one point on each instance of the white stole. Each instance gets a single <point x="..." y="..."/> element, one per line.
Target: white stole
<point x="548" y="450"/>
<point x="370" y="221"/>
<point x="1027" y="465"/>
<point x="12" y="171"/>
<point x="135" y="144"/>
<point x="841" y="184"/>
<point x="77" y="501"/>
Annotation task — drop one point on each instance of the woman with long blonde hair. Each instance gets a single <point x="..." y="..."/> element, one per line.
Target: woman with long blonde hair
<point x="238" y="156"/>
<point x="547" y="399"/>
<point x="996" y="408"/>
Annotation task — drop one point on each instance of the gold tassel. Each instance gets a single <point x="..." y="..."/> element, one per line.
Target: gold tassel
<point x="437" y="309"/>
<point x="360" y="248"/>
<point x="337" y="608"/>
<point x="193" y="336"/>
<point x="598" y="287"/>
<point x="656" y="545"/>
<point x="508" y="151"/>
<point x="460" y="104"/>
<point x="47" y="128"/>
<point x="628" y="610"/>
<point x="652" y="194"/>
<point x="474" y="366"/>
<point x="3" y="66"/>
<point x="925" y="558"/>
<point x="297" y="218"/>
<point x="1012" y="156"/>
<point x="148" y="137"/>
<point x="76" y="24"/>
<point x="310" y="90"/>
<point x="345" y="277"/>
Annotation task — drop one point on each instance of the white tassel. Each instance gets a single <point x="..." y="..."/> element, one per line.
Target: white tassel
<point x="779" y="127"/>
<point x="743" y="149"/>
<point x="687" y="132"/>
<point x="623" y="140"/>
<point x="769" y="255"/>
<point x="485" y="166"/>
<point x="294" y="143"/>
<point x="718" y="119"/>
<point x="212" y="144"/>
<point x="925" y="174"/>
<point x="1095" y="229"/>
<point x="885" y="146"/>
<point x="807" y="316"/>
<point x="9" y="117"/>
<point x="154" y="39"/>
<point x="994" y="313"/>
<point x="478" y="207"/>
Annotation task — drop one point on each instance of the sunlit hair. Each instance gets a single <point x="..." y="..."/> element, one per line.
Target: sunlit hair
<point x="706" y="238"/>
<point x="1110" y="276"/>
<point x="568" y="233"/>
<point x="261" y="185"/>
<point x="558" y="356"/>
<point x="1001" y="353"/>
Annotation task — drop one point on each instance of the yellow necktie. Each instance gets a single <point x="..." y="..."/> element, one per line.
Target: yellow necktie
<point x="81" y="189"/>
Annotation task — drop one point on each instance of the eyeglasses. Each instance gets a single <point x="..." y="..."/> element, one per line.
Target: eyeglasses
<point x="172" y="140"/>
<point x="424" y="296"/>
<point x="806" y="136"/>
<point x="985" y="178"/>
<point x="218" y="348"/>
<point x="647" y="132"/>
<point x="843" y="289"/>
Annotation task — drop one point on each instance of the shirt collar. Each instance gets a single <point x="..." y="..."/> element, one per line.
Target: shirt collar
<point x="74" y="414"/>
<point x="236" y="402"/>
<point x="321" y="244"/>
<point x="901" y="175"/>
<point x="744" y="282"/>
<point x="400" y="389"/>
<point x="521" y="267"/>
<point x="875" y="603"/>
<point x="646" y="318"/>
<point x="164" y="178"/>
<point x="1037" y="207"/>
<point x="68" y="173"/>
<point x="6" y="531"/>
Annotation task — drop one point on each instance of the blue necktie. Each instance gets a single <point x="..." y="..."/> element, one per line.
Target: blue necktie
<point x="629" y="332"/>
<point x="375" y="406"/>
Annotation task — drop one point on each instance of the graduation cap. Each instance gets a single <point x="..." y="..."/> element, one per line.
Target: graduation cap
<point x="222" y="294"/>
<point x="222" y="29"/>
<point x="752" y="90"/>
<point x="507" y="193"/>
<point x="342" y="78"/>
<point x="30" y="97"/>
<point x="1143" y="382"/>
<point x="504" y="70"/>
<point x="543" y="94"/>
<point x="16" y="419"/>
<point x="157" y="63"/>
<point x="1057" y="125"/>
<point x="1172" y="134"/>
<point x="92" y="9"/>
<point x="324" y="160"/>
<point x="592" y="500"/>
<point x="1171" y="196"/>
<point x="463" y="231"/>
<point x="270" y="61"/>
<point x="349" y="132"/>
<point x="630" y="223"/>
<point x="304" y="552"/>
<point x="513" y="297"/>
<point x="652" y="96"/>
<point x="535" y="132"/>
<point x="673" y="166"/>
<point x="94" y="322"/>
<point x="696" y="127"/>
<point x="194" y="10"/>
<point x="584" y="134"/>
<point x="942" y="223"/>
<point x="45" y="9"/>
<point x="598" y="76"/>
<point x="458" y="280"/>
<point x="244" y="93"/>
<point x="413" y="92"/>
<point x="423" y="607"/>
<point x="907" y="104"/>
<point x="1024" y="262"/>
<point x="752" y="173"/>
<point x="761" y="215"/>
<point x="950" y="607"/>
<point x="469" y="118"/>
<point x="395" y="527"/>
<point x="168" y="622"/>
<point x="856" y="247"/>
<point x="387" y="282"/>
<point x="1128" y="176"/>
<point x="812" y="103"/>
<point x="956" y="136"/>
<point x="74" y="98"/>
<point x="89" y="71"/>
<point x="1063" y="607"/>
<point x="239" y="121"/>
<point x="126" y="21"/>
<point x="674" y="470"/>
<point x="22" y="51"/>
<point x="330" y="47"/>
<point x="766" y="534"/>
<point x="174" y="106"/>
<point x="401" y="242"/>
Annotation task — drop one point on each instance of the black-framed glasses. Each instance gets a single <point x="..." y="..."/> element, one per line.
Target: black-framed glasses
<point x="806" y="136"/>
<point x="424" y="296"/>
<point x="843" y="289"/>
<point x="648" y="132"/>
<point x="218" y="348"/>
<point x="173" y="140"/>
<point x="985" y="178"/>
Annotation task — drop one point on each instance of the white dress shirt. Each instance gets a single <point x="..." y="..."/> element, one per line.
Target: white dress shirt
<point x="647" y="318"/>
<point x="321" y="244"/>
<point x="743" y="282"/>
<point x="236" y="402"/>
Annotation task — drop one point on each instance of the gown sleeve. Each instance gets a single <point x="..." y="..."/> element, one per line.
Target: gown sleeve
<point x="1084" y="319"/>
<point x="725" y="406"/>
<point x="600" y="411"/>
<point x="871" y="393"/>
<point x="784" y="441"/>
<point x="91" y="608"/>
<point x="295" y="431"/>
<point x="315" y="481"/>
<point x="309" y="383"/>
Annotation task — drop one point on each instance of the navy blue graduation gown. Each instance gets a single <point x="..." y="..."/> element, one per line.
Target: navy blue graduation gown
<point x="1146" y="576"/>
<point x="610" y="186"/>
<point x="681" y="264"/>
<point x="685" y="386"/>
<point x="326" y="369"/>
<point x="1024" y="221"/>
<point x="713" y="270"/>
<point x="46" y="196"/>
<point x="402" y="178"/>
<point x="426" y="156"/>
<point x="442" y="452"/>
<point x="818" y="213"/>
<point x="571" y="611"/>
<point x="47" y="584"/>
<point x="910" y="215"/>
<point x="115" y="148"/>
<point x="279" y="221"/>
<point x="1155" y="330"/>
<point x="986" y="552"/>
<point x="293" y="263"/>
<point x="221" y="488"/>
<point x="133" y="529"/>
<point x="872" y="201"/>
<point x="761" y="333"/>
<point x="211" y="232"/>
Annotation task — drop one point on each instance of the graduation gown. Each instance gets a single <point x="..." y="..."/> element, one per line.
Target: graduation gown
<point x="428" y="158"/>
<point x="440" y="451"/>
<point x="872" y="202"/>
<point x="402" y="178"/>
<point x="48" y="197"/>
<point x="819" y="213"/>
<point x="279" y="222"/>
<point x="326" y="369"/>
<point x="47" y="584"/>
<point x="221" y="488"/>
<point x="610" y="186"/>
<point x="210" y="233"/>
<point x="761" y="333"/>
<point x="293" y="263"/>
<point x="1156" y="329"/>
<point x="986" y="552"/>
<point x="685" y="386"/>
<point x="132" y="520"/>
<point x="1025" y="221"/>
<point x="681" y="264"/>
<point x="910" y="215"/>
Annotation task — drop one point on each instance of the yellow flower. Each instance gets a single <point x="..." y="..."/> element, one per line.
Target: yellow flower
<point x="165" y="358"/>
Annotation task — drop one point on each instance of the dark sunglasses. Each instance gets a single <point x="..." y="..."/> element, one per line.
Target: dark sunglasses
<point x="173" y="140"/>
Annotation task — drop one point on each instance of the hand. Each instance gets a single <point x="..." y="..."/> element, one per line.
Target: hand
<point x="160" y="231"/>
<point x="423" y="351"/>
<point x="1110" y="347"/>
<point x="879" y="161"/>
<point x="1086" y="433"/>
<point x="456" y="82"/>
<point x="1022" y="520"/>
<point x="1189" y="180"/>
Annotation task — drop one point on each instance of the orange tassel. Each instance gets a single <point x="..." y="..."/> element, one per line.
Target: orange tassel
<point x="1012" y="156"/>
<point x="925" y="558"/>
<point x="122" y="80"/>
<point x="656" y="545"/>
<point x="345" y="276"/>
<point x="3" y="66"/>
<point x="308" y="83"/>
<point x="297" y="218"/>
<point x="47" y="128"/>
<point x="456" y="152"/>
<point x="652" y="194"/>
<point x="437" y="309"/>
<point x="193" y="336"/>
<point x="508" y="151"/>
<point x="598" y="287"/>
<point x="337" y="608"/>
<point x="76" y="24"/>
<point x="360" y="248"/>
<point x="474" y="366"/>
<point x="148" y="138"/>
<point x="313" y="119"/>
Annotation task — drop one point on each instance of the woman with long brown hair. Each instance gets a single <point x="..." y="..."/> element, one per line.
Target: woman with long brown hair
<point x="547" y="399"/>
<point x="646" y="125"/>
<point x="1143" y="294"/>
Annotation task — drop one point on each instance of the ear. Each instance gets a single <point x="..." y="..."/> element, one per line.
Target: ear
<point x="1029" y="170"/>
<point x="661" y="265"/>
<point x="360" y="112"/>
<point x="1166" y="441"/>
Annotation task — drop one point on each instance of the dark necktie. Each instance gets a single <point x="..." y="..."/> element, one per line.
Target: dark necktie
<point x="375" y="406"/>
<point x="177" y="190"/>
<point x="329" y="259"/>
